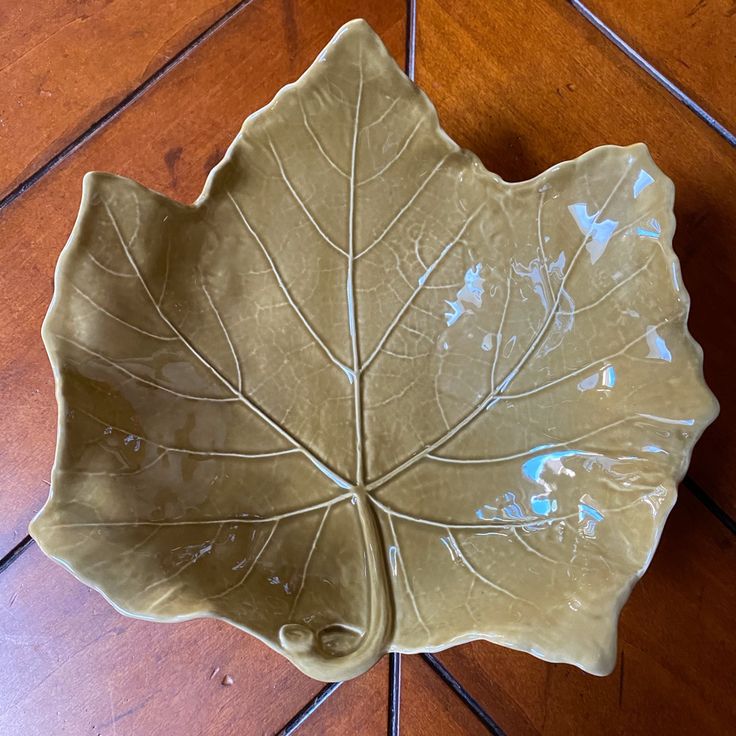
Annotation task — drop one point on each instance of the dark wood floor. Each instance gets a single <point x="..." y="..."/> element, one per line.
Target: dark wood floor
<point x="156" y="90"/>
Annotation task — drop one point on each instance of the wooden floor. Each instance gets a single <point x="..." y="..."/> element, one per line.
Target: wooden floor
<point x="156" y="90"/>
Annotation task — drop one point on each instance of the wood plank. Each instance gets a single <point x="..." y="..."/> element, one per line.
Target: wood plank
<point x="65" y="64"/>
<point x="677" y="654"/>
<point x="569" y="89"/>
<point x="428" y="706"/>
<point x="692" y="42"/>
<point x="359" y="706"/>
<point x="71" y="664"/>
<point x="169" y="140"/>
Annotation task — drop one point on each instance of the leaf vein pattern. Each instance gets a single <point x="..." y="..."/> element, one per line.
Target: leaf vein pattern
<point x="494" y="394"/>
<point x="249" y="403"/>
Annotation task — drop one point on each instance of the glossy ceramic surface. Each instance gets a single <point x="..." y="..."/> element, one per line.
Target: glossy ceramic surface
<point x="364" y="395"/>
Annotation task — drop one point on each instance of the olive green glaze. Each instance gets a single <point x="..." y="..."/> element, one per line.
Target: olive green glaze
<point x="364" y="395"/>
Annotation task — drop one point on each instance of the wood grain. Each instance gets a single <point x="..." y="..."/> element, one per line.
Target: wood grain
<point x="524" y="85"/>
<point x="428" y="706"/>
<point x="70" y="663"/>
<point x="359" y="706"/>
<point x="693" y="42"/>
<point x="677" y="654"/>
<point x="528" y="86"/>
<point x="65" y="64"/>
<point x="569" y="89"/>
<point x="168" y="140"/>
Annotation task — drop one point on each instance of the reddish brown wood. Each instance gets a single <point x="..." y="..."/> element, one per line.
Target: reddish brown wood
<point x="524" y="85"/>
<point x="544" y="86"/>
<point x="677" y="654"/>
<point x="527" y="85"/>
<point x="359" y="706"/>
<point x="693" y="42"/>
<point x="69" y="663"/>
<point x="64" y="64"/>
<point x="169" y="140"/>
<point x="428" y="706"/>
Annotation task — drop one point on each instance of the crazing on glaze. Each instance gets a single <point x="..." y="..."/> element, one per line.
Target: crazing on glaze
<point x="365" y="395"/>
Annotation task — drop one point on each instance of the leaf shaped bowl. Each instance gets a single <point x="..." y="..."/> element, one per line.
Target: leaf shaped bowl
<point x="366" y="396"/>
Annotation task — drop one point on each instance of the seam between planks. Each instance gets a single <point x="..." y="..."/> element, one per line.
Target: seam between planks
<point x="394" y="694"/>
<point x="697" y="490"/>
<point x="123" y="105"/>
<point x="689" y="482"/>
<point x="15" y="553"/>
<point x="308" y="709"/>
<point x="467" y="699"/>
<point x="675" y="90"/>
<point x="411" y="38"/>
<point x="81" y="139"/>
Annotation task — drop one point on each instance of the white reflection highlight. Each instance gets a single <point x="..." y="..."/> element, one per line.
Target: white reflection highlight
<point x="512" y="510"/>
<point x="349" y="373"/>
<point x="602" y="379"/>
<point x="542" y="505"/>
<point x="657" y="346"/>
<point x="654" y="229"/>
<point x="668" y="420"/>
<point x="471" y="295"/>
<point x="392" y="558"/>
<point x="450" y="547"/>
<point x="597" y="233"/>
<point x="134" y="440"/>
<point x="588" y="516"/>
<point x="536" y="273"/>
<point x="588" y="383"/>
<point x="675" y="280"/>
<point x="642" y="182"/>
<point x="654" y="449"/>
<point x="552" y="461"/>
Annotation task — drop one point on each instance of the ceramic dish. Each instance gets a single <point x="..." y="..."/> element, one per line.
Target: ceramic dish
<point x="364" y="395"/>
